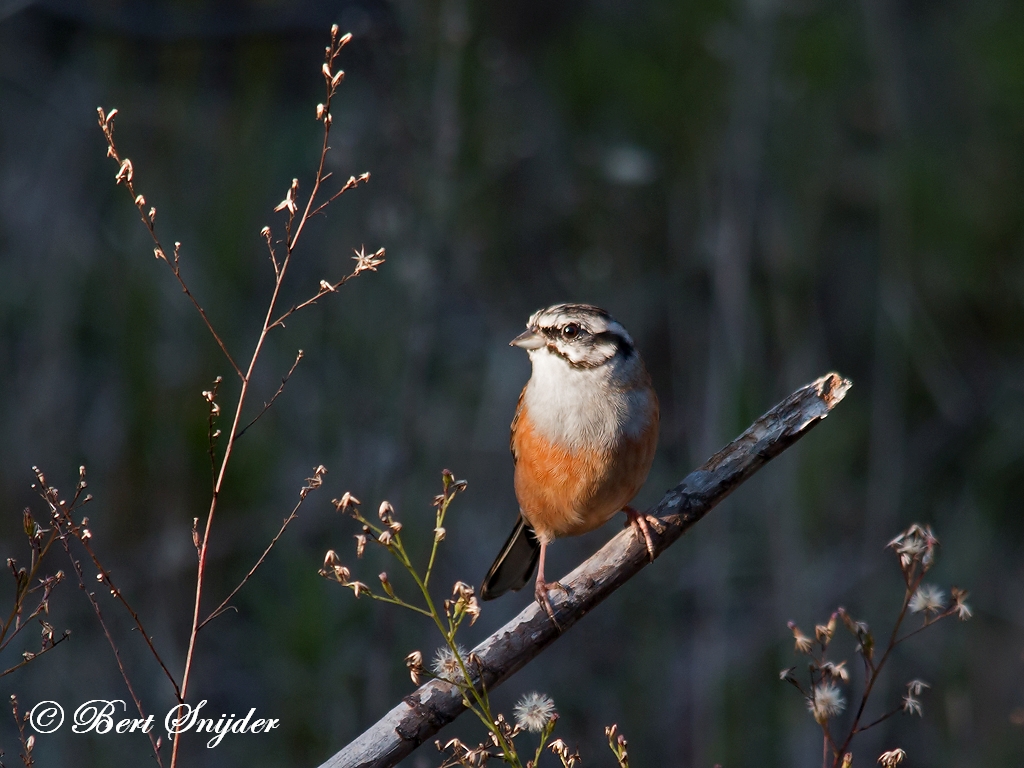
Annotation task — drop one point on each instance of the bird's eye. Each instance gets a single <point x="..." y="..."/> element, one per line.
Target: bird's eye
<point x="571" y="331"/>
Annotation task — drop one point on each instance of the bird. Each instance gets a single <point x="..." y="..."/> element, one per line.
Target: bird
<point x="583" y="439"/>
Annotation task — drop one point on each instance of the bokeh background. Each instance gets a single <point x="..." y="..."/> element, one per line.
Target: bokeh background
<point x="760" y="190"/>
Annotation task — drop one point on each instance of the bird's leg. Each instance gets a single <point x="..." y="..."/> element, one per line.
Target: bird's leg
<point x="541" y="588"/>
<point x="644" y="523"/>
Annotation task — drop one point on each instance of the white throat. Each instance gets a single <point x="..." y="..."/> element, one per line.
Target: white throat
<point x="592" y="407"/>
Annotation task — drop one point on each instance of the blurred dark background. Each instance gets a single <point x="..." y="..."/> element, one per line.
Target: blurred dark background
<point x="760" y="190"/>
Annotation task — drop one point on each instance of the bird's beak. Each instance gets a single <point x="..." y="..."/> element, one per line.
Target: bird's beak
<point x="528" y="339"/>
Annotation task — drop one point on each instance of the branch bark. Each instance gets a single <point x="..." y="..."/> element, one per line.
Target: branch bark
<point x="432" y="706"/>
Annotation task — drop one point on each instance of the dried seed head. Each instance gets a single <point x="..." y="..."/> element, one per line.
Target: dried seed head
<point x="927" y="598"/>
<point x="825" y="701"/>
<point x="534" y="711"/>
<point x="446" y="664"/>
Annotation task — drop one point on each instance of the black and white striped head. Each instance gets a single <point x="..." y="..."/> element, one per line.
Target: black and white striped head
<point x="583" y="335"/>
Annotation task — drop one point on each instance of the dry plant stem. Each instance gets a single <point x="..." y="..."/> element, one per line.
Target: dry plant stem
<point x="913" y="582"/>
<point x="425" y="711"/>
<point x="6" y="636"/>
<point x="77" y="567"/>
<point x="280" y="389"/>
<point x="280" y="270"/>
<point x="64" y="513"/>
<point x="124" y="175"/>
<point x="294" y="229"/>
<point x="65" y="636"/>
<point x="313" y="484"/>
<point x="26" y="755"/>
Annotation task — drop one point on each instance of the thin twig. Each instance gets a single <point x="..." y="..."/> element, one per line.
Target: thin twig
<point x="66" y="635"/>
<point x="124" y="175"/>
<point x="312" y="484"/>
<point x="364" y="262"/>
<point x="280" y="389"/>
<point x="77" y="567"/>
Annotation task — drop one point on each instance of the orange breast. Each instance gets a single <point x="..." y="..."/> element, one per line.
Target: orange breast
<point x="567" y="493"/>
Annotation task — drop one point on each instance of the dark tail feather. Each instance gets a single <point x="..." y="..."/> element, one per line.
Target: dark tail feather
<point x="514" y="565"/>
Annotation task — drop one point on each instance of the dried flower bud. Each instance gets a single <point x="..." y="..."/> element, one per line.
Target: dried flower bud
<point x="803" y="644"/>
<point x="383" y="576"/>
<point x="917" y="686"/>
<point x="838" y="671"/>
<point x="892" y="758"/>
<point x="338" y="77"/>
<point x="462" y="590"/>
<point x="385" y="537"/>
<point x="360" y="544"/>
<point x="125" y="172"/>
<point x="386" y="512"/>
<point x="472" y="609"/>
<point x="358" y="588"/>
<point x="345" y="39"/>
<point x="265" y="232"/>
<point x="319" y="111"/>
<point x="333" y="569"/>
<point x="345" y="502"/>
<point x="414" y="661"/>
<point x="439" y="534"/>
<point x="963" y="611"/>
<point x="912" y="705"/>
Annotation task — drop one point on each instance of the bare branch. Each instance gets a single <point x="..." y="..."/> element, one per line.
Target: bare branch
<point x="435" y="704"/>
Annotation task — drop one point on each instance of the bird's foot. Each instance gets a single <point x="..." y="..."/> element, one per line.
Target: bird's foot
<point x="540" y="593"/>
<point x="644" y="523"/>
